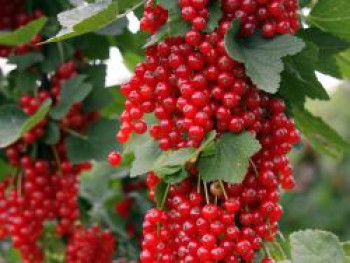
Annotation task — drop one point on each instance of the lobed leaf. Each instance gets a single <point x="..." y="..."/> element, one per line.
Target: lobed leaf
<point x="231" y="159"/>
<point x="262" y="57"/>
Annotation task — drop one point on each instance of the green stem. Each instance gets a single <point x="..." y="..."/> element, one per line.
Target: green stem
<point x="165" y="197"/>
<point x="76" y="134"/>
<point x="206" y="192"/>
<point x="57" y="159"/>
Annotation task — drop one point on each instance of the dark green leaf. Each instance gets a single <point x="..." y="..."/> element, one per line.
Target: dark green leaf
<point x="160" y="192"/>
<point x="95" y="143"/>
<point x="100" y="96"/>
<point x="24" y="34"/>
<point x="54" y="56"/>
<point x="315" y="246"/>
<point x="5" y="169"/>
<point x="330" y="49"/>
<point x="23" y="62"/>
<point x="321" y="135"/>
<point x="299" y="79"/>
<point x="231" y="161"/>
<point x="14" y="122"/>
<point x="73" y="90"/>
<point x="91" y="17"/>
<point x="332" y="16"/>
<point x="93" y="46"/>
<point x="24" y="81"/>
<point x="52" y="133"/>
<point x="215" y="14"/>
<point x="262" y="57"/>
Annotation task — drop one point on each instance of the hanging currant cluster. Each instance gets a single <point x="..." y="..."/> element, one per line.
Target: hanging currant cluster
<point x="193" y="87"/>
<point x="44" y="186"/>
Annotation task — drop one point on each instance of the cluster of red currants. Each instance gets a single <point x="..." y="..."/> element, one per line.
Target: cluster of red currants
<point x="90" y="246"/>
<point x="43" y="190"/>
<point x="229" y="223"/>
<point x="12" y="16"/>
<point x="192" y="86"/>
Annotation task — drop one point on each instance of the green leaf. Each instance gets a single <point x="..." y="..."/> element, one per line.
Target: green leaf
<point x="23" y="62"/>
<point x="5" y="169"/>
<point x="332" y="16"/>
<point x="160" y="192"/>
<point x="330" y="47"/>
<point x="24" y="81"/>
<point x="93" y="46"/>
<point x="23" y="34"/>
<point x="73" y="90"/>
<point x="231" y="161"/>
<point x="54" y="55"/>
<point x="95" y="144"/>
<point x="14" y="122"/>
<point x="346" y="249"/>
<point x="175" y="27"/>
<point x="321" y="136"/>
<point x="52" y="133"/>
<point x="315" y="246"/>
<point x="299" y="79"/>
<point x="115" y="28"/>
<point x="146" y="153"/>
<point x="173" y="161"/>
<point x="215" y="14"/>
<point x="177" y="177"/>
<point x="100" y="96"/>
<point x="262" y="57"/>
<point x="91" y="17"/>
<point x="95" y="184"/>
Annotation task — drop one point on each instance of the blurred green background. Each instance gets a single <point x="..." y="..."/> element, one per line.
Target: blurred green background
<point x="322" y="197"/>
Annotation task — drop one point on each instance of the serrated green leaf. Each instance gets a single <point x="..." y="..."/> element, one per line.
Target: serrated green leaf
<point x="52" y="133"/>
<point x="299" y="79"/>
<point x="215" y="14"/>
<point x="95" y="144"/>
<point x="23" y="62"/>
<point x="159" y="193"/>
<point x="262" y="57"/>
<point x="73" y="90"/>
<point x="332" y="16"/>
<point x="23" y="34"/>
<point x="321" y="136"/>
<point x="231" y="160"/>
<point x="14" y="122"/>
<point x="315" y="246"/>
<point x="91" y="17"/>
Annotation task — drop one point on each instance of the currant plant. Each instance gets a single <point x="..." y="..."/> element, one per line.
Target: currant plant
<point x="215" y="104"/>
